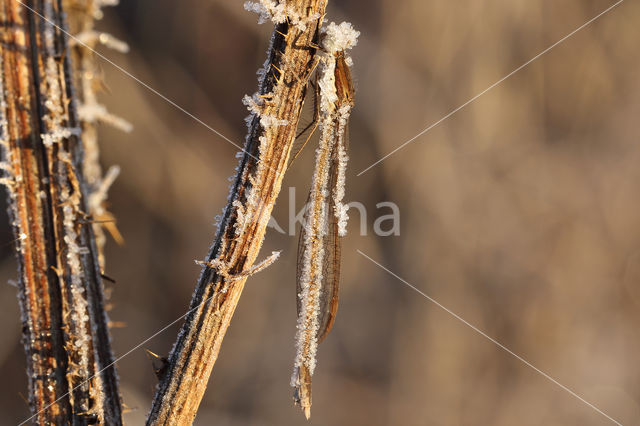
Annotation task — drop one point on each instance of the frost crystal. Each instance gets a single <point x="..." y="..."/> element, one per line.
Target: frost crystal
<point x="339" y="37"/>
<point x="58" y="135"/>
<point x="262" y="72"/>
<point x="223" y="268"/>
<point x="267" y="10"/>
<point x="255" y="106"/>
<point x="327" y="84"/>
<point x="342" y="158"/>
<point x="276" y="12"/>
<point x="79" y="337"/>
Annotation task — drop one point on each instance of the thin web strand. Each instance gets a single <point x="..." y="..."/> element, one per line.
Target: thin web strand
<point x="491" y="339"/>
<point x="142" y="83"/>
<point x="470" y="101"/>
<point x="124" y="355"/>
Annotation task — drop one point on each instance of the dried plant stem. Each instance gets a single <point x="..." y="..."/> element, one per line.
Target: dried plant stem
<point x="64" y="325"/>
<point x="82" y="15"/>
<point x="272" y="128"/>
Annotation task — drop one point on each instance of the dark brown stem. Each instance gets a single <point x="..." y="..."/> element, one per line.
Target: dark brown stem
<point x="69" y="360"/>
<point x="272" y="131"/>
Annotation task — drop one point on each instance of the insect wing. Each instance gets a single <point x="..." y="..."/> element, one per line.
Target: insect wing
<point x="305" y="134"/>
<point x="331" y="260"/>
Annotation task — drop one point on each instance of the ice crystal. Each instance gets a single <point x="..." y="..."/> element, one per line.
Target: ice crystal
<point x="223" y="268"/>
<point x="8" y="183"/>
<point x="327" y="85"/>
<point x="59" y="134"/>
<point x="267" y="10"/>
<point x="279" y="12"/>
<point x="262" y="72"/>
<point x="240" y="216"/>
<point x="342" y="158"/>
<point x="78" y="310"/>
<point x="339" y="37"/>
<point x="255" y="105"/>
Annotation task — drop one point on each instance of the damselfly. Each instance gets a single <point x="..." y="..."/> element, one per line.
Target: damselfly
<point x="318" y="273"/>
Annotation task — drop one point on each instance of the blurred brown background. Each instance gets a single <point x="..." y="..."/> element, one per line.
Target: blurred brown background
<point x="519" y="213"/>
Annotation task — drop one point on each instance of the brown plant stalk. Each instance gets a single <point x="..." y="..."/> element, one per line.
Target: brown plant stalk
<point x="87" y="81"/>
<point x="272" y="128"/>
<point x="70" y="369"/>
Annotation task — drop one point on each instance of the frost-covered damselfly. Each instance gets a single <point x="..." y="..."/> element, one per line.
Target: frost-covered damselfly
<point x="318" y="272"/>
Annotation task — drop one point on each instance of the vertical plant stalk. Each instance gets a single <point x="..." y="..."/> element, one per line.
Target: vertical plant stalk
<point x="69" y="362"/>
<point x="82" y="17"/>
<point x="272" y="128"/>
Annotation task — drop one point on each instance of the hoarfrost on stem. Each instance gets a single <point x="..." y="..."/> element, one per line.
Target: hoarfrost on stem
<point x="255" y="105"/>
<point x="279" y="12"/>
